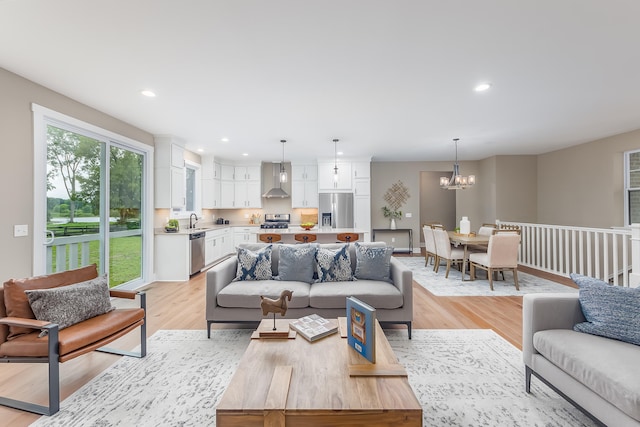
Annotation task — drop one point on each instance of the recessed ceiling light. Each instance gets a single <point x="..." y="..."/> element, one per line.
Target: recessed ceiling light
<point x="339" y="153"/>
<point x="200" y="150"/>
<point x="482" y="87"/>
<point x="224" y="140"/>
<point x="245" y="154"/>
<point x="149" y="93"/>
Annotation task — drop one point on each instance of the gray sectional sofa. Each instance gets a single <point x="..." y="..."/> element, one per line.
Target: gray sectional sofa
<point x="229" y="301"/>
<point x="600" y="376"/>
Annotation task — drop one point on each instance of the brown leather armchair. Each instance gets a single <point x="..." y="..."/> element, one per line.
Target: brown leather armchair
<point x="20" y="340"/>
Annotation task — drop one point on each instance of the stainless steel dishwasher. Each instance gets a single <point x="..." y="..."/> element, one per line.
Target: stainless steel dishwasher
<point x="196" y="241"/>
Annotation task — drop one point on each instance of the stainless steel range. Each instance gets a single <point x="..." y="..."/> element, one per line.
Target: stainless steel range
<point x="276" y="221"/>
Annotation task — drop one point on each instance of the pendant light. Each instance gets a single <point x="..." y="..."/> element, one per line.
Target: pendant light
<point x="335" y="165"/>
<point x="283" y="172"/>
<point x="457" y="181"/>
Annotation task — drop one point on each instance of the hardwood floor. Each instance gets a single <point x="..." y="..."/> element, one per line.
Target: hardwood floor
<point x="180" y="305"/>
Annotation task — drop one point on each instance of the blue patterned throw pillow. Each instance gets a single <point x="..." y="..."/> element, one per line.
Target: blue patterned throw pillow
<point x="373" y="263"/>
<point x="334" y="265"/>
<point x="254" y="265"/>
<point x="297" y="262"/>
<point x="610" y="311"/>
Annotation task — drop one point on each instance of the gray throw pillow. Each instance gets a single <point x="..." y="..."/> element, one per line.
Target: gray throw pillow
<point x="297" y="262"/>
<point x="373" y="263"/>
<point x="334" y="265"/>
<point x="610" y="311"/>
<point x="254" y="265"/>
<point x="71" y="304"/>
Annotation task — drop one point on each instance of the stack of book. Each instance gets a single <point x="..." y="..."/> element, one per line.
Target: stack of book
<point x="314" y="327"/>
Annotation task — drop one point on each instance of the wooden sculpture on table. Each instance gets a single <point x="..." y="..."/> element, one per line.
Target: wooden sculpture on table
<point x="274" y="306"/>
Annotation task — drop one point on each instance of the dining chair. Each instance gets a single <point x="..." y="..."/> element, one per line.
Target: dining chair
<point x="486" y="229"/>
<point x="509" y="227"/>
<point x="270" y="237"/>
<point x="502" y="254"/>
<point x="444" y="251"/>
<point x="305" y="237"/>
<point x="429" y="246"/>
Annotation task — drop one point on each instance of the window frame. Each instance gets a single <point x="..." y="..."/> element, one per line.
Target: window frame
<point x="627" y="185"/>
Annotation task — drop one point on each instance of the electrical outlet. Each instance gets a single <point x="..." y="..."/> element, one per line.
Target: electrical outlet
<point x="20" y="230"/>
<point x="393" y="240"/>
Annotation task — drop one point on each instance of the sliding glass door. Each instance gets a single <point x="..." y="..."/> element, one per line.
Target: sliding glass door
<point x="95" y="204"/>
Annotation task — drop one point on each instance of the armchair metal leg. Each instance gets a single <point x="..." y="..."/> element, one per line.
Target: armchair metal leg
<point x="143" y="335"/>
<point x="54" y="379"/>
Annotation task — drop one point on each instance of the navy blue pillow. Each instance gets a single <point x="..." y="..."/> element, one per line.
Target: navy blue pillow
<point x="610" y="311"/>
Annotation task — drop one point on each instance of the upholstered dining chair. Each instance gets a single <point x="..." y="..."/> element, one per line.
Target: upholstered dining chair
<point x="444" y="251"/>
<point x="270" y="237"/>
<point x="347" y="237"/>
<point x="305" y="237"/>
<point x="429" y="246"/>
<point x="509" y="227"/>
<point x="486" y="229"/>
<point x="502" y="254"/>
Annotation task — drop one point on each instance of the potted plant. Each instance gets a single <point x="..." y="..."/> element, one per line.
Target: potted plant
<point x="393" y="215"/>
<point x="172" y="226"/>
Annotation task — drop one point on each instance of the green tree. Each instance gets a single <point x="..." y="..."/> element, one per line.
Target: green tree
<point x="68" y="154"/>
<point x="125" y="185"/>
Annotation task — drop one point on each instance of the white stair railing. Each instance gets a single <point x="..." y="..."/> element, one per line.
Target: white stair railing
<point x="596" y="252"/>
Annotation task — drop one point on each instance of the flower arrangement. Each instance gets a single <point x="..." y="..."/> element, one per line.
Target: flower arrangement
<point x="390" y="213"/>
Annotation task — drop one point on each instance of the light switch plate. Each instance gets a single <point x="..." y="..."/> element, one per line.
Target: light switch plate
<point x="20" y="230"/>
<point x="408" y="215"/>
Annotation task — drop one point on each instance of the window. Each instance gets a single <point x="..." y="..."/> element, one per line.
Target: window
<point x="192" y="202"/>
<point x="632" y="187"/>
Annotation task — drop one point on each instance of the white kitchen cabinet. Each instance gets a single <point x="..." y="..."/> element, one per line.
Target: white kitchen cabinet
<point x="362" y="214"/>
<point x="227" y="172"/>
<point x="227" y="195"/>
<point x="244" y="235"/>
<point x="169" y="174"/>
<point x="248" y="173"/>
<point x="211" y="197"/>
<point x="172" y="256"/>
<point x="304" y="186"/>
<point x="361" y="170"/>
<point x="326" y="180"/>
<point x="247" y="194"/>
<point x="218" y="243"/>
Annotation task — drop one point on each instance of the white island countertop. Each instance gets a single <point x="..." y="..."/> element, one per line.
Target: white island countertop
<point x="321" y="230"/>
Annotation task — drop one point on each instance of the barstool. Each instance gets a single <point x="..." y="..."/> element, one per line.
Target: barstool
<point x="305" y="238"/>
<point x="347" y="237"/>
<point x="270" y="237"/>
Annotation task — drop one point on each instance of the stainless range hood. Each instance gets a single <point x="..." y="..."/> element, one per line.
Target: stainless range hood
<point x="276" y="191"/>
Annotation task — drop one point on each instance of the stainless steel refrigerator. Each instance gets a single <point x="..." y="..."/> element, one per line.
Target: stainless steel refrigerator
<point x="335" y="210"/>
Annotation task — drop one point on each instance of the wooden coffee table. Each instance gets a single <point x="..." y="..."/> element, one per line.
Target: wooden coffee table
<point x="294" y="382"/>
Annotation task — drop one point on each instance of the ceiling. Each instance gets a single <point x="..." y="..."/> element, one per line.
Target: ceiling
<point x="393" y="79"/>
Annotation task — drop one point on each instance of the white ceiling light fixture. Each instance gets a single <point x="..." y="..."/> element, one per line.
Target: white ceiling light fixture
<point x="335" y="164"/>
<point x="148" y="93"/>
<point x="457" y="181"/>
<point x="283" y="171"/>
<point x="482" y="87"/>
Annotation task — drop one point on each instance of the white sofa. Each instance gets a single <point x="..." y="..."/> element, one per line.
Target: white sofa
<point x="600" y="376"/>
<point x="229" y="301"/>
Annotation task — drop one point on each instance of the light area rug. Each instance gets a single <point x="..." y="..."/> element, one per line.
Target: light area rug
<point x="453" y="286"/>
<point x="461" y="377"/>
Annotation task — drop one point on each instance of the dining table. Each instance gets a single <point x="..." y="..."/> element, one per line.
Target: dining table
<point x="466" y="240"/>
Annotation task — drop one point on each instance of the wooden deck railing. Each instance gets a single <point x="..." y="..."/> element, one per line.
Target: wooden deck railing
<point x="597" y="252"/>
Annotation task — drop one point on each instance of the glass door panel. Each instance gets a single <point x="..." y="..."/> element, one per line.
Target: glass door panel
<point x="73" y="222"/>
<point x="125" y="203"/>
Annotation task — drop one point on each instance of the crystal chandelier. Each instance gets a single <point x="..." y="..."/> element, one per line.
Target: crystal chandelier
<point x="457" y="181"/>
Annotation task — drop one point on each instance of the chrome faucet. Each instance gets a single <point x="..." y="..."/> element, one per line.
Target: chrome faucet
<point x="193" y="224"/>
